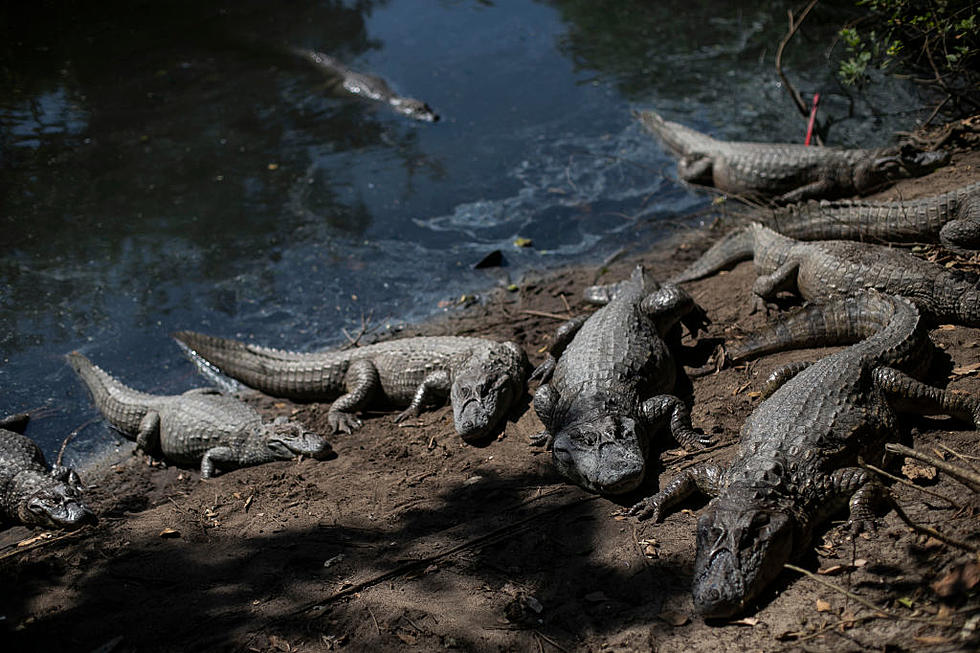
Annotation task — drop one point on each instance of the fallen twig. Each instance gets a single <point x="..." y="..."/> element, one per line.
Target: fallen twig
<point x="903" y="481"/>
<point x="962" y="475"/>
<point x="553" y="316"/>
<point x="71" y="436"/>
<point x="794" y="26"/>
<point x="932" y="532"/>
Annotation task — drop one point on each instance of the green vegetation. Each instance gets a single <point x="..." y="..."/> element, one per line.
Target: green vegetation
<point x="937" y="38"/>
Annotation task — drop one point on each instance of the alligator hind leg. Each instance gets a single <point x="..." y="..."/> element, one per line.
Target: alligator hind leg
<point x="362" y="382"/>
<point x="961" y="234"/>
<point x="767" y="286"/>
<point x="564" y="335"/>
<point x="436" y="385"/>
<point x="781" y="375"/>
<point x="705" y="478"/>
<point x="148" y="436"/>
<point x="671" y="304"/>
<point x="215" y="457"/>
<point x="909" y="395"/>
<point x="659" y="409"/>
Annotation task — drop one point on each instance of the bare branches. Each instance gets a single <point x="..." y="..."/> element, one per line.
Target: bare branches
<point x="962" y="475"/>
<point x="794" y="25"/>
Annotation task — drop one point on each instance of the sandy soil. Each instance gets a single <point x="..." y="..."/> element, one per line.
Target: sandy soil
<point x="412" y="540"/>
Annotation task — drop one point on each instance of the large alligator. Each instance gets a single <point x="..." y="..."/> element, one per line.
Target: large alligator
<point x="200" y="425"/>
<point x="951" y="218"/>
<point x="482" y="378"/>
<point x="344" y="81"/>
<point x="607" y="384"/>
<point x="824" y="269"/>
<point x="787" y="172"/>
<point x="31" y="493"/>
<point x="799" y="449"/>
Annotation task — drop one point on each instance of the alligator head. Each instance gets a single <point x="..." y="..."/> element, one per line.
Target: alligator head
<point x="53" y="501"/>
<point x="286" y="440"/>
<point x="415" y="109"/>
<point x="605" y="454"/>
<point x="739" y="552"/>
<point x="899" y="163"/>
<point x="485" y="388"/>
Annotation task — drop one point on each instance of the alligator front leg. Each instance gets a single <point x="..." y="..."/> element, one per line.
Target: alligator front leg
<point x="564" y="335"/>
<point x="705" y="478"/>
<point x="545" y="400"/>
<point x="435" y="386"/>
<point x="668" y="408"/>
<point x="907" y="394"/>
<point x="697" y="169"/>
<point x="815" y="190"/>
<point x="148" y="435"/>
<point x="361" y="381"/>
<point x="860" y="488"/>
<point x="218" y="457"/>
<point x="767" y="286"/>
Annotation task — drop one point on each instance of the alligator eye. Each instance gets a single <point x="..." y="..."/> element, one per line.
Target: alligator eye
<point x="464" y="392"/>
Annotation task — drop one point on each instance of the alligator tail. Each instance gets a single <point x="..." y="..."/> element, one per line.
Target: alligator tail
<point x="276" y="372"/>
<point x="840" y="322"/>
<point x="737" y="246"/>
<point x="122" y="406"/>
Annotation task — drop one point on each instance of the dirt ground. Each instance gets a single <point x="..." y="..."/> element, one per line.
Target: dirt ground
<point x="412" y="540"/>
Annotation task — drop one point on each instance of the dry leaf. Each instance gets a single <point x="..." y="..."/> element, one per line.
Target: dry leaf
<point x="827" y="571"/>
<point x="947" y="327"/>
<point x="914" y="470"/>
<point x="406" y="637"/>
<point x="748" y="621"/>
<point x="931" y="640"/>
<point x="823" y="606"/>
<point x="959" y="580"/>
<point x="37" y="538"/>
<point x="860" y="562"/>
<point x="674" y="618"/>
<point x="169" y="533"/>
<point x="964" y="370"/>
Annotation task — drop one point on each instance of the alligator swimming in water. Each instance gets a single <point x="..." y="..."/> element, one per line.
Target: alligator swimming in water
<point x="799" y="449"/>
<point x="31" y="493"/>
<point x="607" y="384"/>
<point x="823" y="269"/>
<point x="344" y="81"/>
<point x="951" y="218"/>
<point x="787" y="172"/>
<point x="482" y="378"/>
<point x="199" y="425"/>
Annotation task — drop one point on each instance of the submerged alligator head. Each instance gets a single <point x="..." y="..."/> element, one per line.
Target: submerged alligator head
<point x="415" y="109"/>
<point x="485" y="388"/>
<point x="286" y="440"/>
<point x="899" y="163"/>
<point x="739" y="552"/>
<point x="606" y="454"/>
<point x="52" y="500"/>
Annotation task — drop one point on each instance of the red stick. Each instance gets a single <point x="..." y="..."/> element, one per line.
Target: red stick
<point x="813" y="117"/>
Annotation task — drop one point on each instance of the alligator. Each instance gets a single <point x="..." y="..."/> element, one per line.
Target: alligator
<point x="824" y="269"/>
<point x="482" y="378"/>
<point x="786" y="172"/>
<point x="951" y="218"/>
<point x="799" y="450"/>
<point x="344" y="81"/>
<point x="606" y="384"/>
<point x="199" y="426"/>
<point x="31" y="492"/>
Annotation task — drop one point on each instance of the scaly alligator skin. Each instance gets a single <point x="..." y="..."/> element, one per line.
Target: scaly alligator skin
<point x="787" y="172"/>
<point x="369" y="87"/>
<point x="798" y="450"/>
<point x="824" y="269"/>
<point x="31" y="493"/>
<point x="952" y="219"/>
<point x="482" y="378"/>
<point x="608" y="379"/>
<point x="200" y="425"/>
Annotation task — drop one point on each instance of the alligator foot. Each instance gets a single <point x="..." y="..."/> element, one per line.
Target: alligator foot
<point x="543" y="439"/>
<point x="343" y="422"/>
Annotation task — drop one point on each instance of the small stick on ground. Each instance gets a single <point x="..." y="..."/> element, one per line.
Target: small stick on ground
<point x="71" y="436"/>
<point x="964" y="476"/>
<point x="553" y="316"/>
<point x="897" y="479"/>
<point x="794" y="26"/>
<point x="932" y="532"/>
<point x="962" y="456"/>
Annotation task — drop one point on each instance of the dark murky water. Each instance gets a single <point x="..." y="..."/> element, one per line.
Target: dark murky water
<point x="160" y="169"/>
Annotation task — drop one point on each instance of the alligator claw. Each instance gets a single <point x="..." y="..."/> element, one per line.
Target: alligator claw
<point x="343" y="422"/>
<point x="408" y="413"/>
<point x="542" y="439"/>
<point x="648" y="508"/>
<point x="543" y="371"/>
